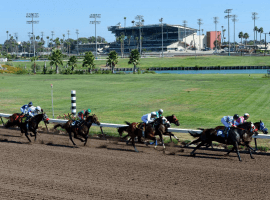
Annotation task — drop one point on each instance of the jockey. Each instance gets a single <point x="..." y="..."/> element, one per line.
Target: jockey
<point x="242" y="119"/>
<point x="229" y="121"/>
<point x="84" y="114"/>
<point x="148" y="118"/>
<point x="29" y="114"/>
<point x="37" y="110"/>
<point x="24" y="108"/>
<point x="159" y="113"/>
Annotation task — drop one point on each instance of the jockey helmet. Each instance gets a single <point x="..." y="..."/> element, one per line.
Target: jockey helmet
<point x="88" y="111"/>
<point x="160" y="111"/>
<point x="153" y="113"/>
<point x="38" y="108"/>
<point x="246" y="115"/>
<point x="30" y="104"/>
<point x="235" y="116"/>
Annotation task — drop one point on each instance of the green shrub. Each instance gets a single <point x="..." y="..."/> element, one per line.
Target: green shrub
<point x="9" y="63"/>
<point x="149" y="72"/>
<point x="38" y="67"/>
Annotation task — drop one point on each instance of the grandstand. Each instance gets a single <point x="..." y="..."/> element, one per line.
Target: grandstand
<point x="173" y="37"/>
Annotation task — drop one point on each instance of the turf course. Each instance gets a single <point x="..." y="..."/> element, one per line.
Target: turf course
<point x="197" y="100"/>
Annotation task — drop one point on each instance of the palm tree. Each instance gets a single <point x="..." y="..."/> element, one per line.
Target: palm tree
<point x="241" y="35"/>
<point x="72" y="62"/>
<point x="133" y="22"/>
<point x="125" y="22"/>
<point x="56" y="59"/>
<point x="246" y="36"/>
<point x="256" y="30"/>
<point x="121" y="40"/>
<point x="112" y="60"/>
<point x="260" y="31"/>
<point x="7" y="34"/>
<point x="134" y="58"/>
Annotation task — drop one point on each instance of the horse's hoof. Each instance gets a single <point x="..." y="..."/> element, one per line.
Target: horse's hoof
<point x="75" y="146"/>
<point x="192" y="154"/>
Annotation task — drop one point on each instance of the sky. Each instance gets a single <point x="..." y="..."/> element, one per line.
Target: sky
<point x="63" y="15"/>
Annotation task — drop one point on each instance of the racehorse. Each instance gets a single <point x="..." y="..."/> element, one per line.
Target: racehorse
<point x="33" y="125"/>
<point x="133" y="131"/>
<point x="14" y="120"/>
<point x="259" y="127"/>
<point x="236" y="135"/>
<point x="171" y="119"/>
<point x="81" y="130"/>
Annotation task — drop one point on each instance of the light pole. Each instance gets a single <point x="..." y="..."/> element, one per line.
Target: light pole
<point x="161" y="20"/>
<point x="68" y="43"/>
<point x="194" y="45"/>
<point x="77" y="32"/>
<point x="254" y="17"/>
<point x="32" y="15"/>
<point x="185" y="25"/>
<point x="216" y="21"/>
<point x="95" y="16"/>
<point x="140" y="23"/>
<point x="228" y="11"/>
<point x="234" y="20"/>
<point x="199" y="23"/>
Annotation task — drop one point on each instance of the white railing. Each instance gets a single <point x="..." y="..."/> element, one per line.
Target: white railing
<point x="108" y="125"/>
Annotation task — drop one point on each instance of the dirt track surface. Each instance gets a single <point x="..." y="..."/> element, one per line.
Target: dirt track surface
<point x="104" y="169"/>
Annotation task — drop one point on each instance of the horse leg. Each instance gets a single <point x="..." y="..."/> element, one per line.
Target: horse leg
<point x="133" y="143"/>
<point x="230" y="151"/>
<point x="197" y="147"/>
<point x="26" y="135"/>
<point x="70" y="137"/>
<point x="193" y="142"/>
<point x="161" y="138"/>
<point x="86" y="137"/>
<point x="249" y="149"/>
<point x="237" y="150"/>
<point x="128" y="141"/>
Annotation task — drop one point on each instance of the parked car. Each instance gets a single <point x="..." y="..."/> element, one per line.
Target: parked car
<point x="206" y="49"/>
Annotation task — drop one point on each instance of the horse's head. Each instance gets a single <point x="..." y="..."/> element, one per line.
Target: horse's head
<point x="93" y="119"/>
<point x="261" y="127"/>
<point x="45" y="118"/>
<point x="174" y="120"/>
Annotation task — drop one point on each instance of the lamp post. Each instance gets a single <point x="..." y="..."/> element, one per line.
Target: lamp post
<point x="32" y="15"/>
<point x="77" y="32"/>
<point x="200" y="23"/>
<point x="216" y="21"/>
<point x="95" y="16"/>
<point x="185" y="24"/>
<point x="234" y="19"/>
<point x="228" y="11"/>
<point x="140" y="23"/>
<point x="254" y="17"/>
<point x="161" y="20"/>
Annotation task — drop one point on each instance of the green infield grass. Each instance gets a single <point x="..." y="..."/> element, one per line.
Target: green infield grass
<point x="198" y="101"/>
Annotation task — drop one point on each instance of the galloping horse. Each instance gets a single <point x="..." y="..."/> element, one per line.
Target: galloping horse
<point x="133" y="131"/>
<point x="33" y="125"/>
<point x="82" y="130"/>
<point x="238" y="135"/>
<point x="171" y="119"/>
<point x="14" y="120"/>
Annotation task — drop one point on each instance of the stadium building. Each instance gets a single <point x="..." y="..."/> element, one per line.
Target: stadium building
<point x="175" y="38"/>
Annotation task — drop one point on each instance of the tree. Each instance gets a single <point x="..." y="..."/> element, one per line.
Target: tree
<point x="121" y="40"/>
<point x="246" y="36"/>
<point x="260" y="31"/>
<point x="134" y="58"/>
<point x="112" y="59"/>
<point x="72" y="62"/>
<point x="33" y="59"/>
<point x="256" y="30"/>
<point x="88" y="60"/>
<point x="217" y="44"/>
<point x="56" y="59"/>
<point x="241" y="35"/>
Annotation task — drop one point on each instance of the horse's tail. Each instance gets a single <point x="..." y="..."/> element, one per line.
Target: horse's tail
<point x="57" y="125"/>
<point x="194" y="134"/>
<point x="127" y="123"/>
<point x="121" y="130"/>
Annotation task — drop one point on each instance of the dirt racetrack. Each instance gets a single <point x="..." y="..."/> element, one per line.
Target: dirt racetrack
<point x="105" y="169"/>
